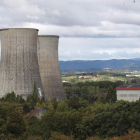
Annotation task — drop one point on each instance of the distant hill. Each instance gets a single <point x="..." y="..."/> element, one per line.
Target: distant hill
<point x="97" y="65"/>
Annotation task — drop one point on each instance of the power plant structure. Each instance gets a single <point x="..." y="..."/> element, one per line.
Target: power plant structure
<point x="128" y="92"/>
<point x="19" y="68"/>
<point x="47" y="48"/>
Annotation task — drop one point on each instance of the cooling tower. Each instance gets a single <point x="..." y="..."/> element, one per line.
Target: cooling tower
<point x="19" y="63"/>
<point x="49" y="67"/>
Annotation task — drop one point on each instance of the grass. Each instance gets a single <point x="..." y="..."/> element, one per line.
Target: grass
<point x="75" y="78"/>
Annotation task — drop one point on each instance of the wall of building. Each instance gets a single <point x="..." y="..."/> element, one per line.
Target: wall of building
<point x="19" y="63"/>
<point x="49" y="67"/>
<point x="128" y="95"/>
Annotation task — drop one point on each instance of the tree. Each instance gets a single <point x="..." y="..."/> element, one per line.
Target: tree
<point x="83" y="103"/>
<point x="34" y="128"/>
<point x="62" y="106"/>
<point x="96" y="138"/>
<point x="74" y="101"/>
<point x="15" y="123"/>
<point x="59" y="136"/>
<point x="67" y="91"/>
<point x="26" y="107"/>
<point x="33" y="98"/>
<point x="133" y="81"/>
<point x="132" y="135"/>
<point x="54" y="102"/>
<point x="10" y="97"/>
<point x="84" y="92"/>
<point x="63" y="122"/>
<point x="19" y="99"/>
<point x="34" y="138"/>
<point x="111" y="96"/>
<point x="50" y="107"/>
<point x="35" y="93"/>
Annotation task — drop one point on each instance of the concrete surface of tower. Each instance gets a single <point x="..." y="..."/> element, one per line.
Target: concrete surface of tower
<point x="19" y="64"/>
<point x="49" y="66"/>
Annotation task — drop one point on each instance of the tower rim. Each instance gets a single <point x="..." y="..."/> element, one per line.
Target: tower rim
<point x="18" y="29"/>
<point x="57" y="36"/>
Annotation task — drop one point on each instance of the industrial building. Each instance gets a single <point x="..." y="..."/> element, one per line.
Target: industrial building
<point x="128" y="92"/>
<point x="19" y="64"/>
<point x="47" y="48"/>
<point x="19" y="67"/>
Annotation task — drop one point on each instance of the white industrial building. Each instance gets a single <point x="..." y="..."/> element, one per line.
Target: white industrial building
<point x="128" y="92"/>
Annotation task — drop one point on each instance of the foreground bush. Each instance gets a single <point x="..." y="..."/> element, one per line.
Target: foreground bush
<point x="59" y="136"/>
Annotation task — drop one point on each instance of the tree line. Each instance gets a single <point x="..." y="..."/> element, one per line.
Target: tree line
<point x="90" y="112"/>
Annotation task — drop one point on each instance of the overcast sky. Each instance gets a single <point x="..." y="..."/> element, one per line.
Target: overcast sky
<point x="88" y="29"/>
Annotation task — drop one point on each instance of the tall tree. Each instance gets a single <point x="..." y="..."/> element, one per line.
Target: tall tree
<point x="111" y="96"/>
<point x="35" y="93"/>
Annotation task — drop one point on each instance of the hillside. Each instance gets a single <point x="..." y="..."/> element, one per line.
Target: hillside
<point x="96" y="65"/>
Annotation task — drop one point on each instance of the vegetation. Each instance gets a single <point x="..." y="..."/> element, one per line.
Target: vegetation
<point x="96" y="76"/>
<point x="90" y="112"/>
<point x="106" y="75"/>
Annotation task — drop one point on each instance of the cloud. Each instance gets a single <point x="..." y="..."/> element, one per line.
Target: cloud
<point x="90" y="18"/>
<point x="71" y="12"/>
<point x="87" y="55"/>
<point x="88" y="29"/>
<point x="99" y="48"/>
<point x="107" y="30"/>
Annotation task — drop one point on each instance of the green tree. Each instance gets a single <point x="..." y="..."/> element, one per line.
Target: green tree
<point x="35" y="93"/>
<point x="10" y="97"/>
<point x="63" y="122"/>
<point x="59" y="136"/>
<point x="33" y="98"/>
<point x="62" y="106"/>
<point x="34" y="128"/>
<point x="19" y="99"/>
<point x="67" y="91"/>
<point x="84" y="92"/>
<point x="74" y="101"/>
<point x="54" y="102"/>
<point x="111" y="96"/>
<point x="15" y="123"/>
<point x="133" y="81"/>
<point x="26" y="108"/>
<point x="83" y="103"/>
<point x="3" y="116"/>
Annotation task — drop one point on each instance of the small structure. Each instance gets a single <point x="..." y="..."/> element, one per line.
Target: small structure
<point x="128" y="92"/>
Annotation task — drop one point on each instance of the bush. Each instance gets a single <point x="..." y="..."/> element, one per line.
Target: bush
<point x="26" y="108"/>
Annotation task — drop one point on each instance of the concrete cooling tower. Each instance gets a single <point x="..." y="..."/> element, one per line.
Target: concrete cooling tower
<point x="19" y="63"/>
<point x="49" y="66"/>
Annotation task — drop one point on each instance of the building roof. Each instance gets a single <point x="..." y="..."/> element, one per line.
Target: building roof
<point x="130" y="86"/>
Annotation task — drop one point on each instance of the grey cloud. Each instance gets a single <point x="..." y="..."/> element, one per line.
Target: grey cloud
<point x="97" y="56"/>
<point x="66" y="13"/>
<point x="107" y="30"/>
<point x="88" y="29"/>
<point x="98" y="48"/>
<point x="71" y="13"/>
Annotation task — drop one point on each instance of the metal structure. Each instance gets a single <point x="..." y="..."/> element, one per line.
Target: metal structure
<point x="49" y="66"/>
<point x="19" y="63"/>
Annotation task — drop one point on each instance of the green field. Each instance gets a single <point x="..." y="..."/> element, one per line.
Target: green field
<point x="100" y="76"/>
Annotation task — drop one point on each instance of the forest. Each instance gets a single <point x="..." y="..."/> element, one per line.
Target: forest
<point x="90" y="111"/>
